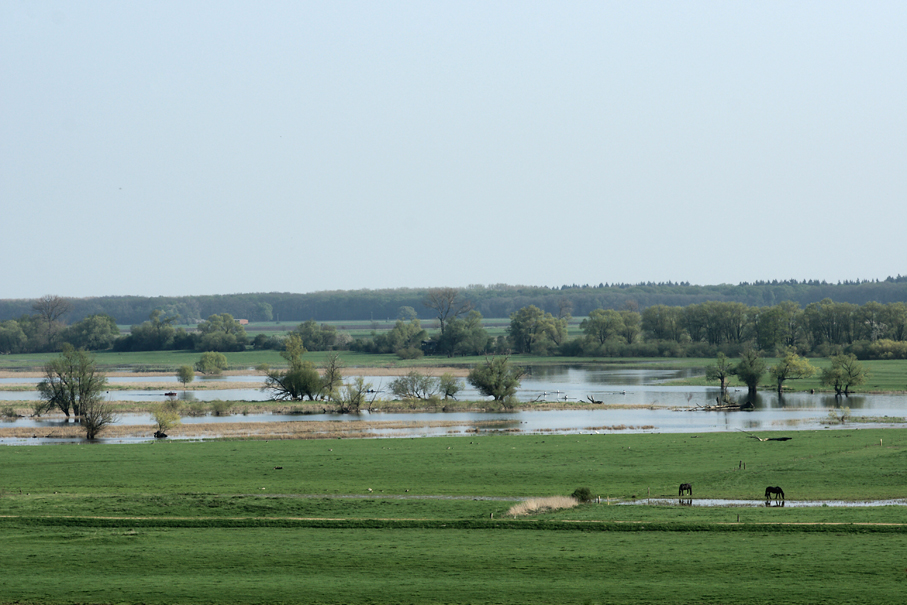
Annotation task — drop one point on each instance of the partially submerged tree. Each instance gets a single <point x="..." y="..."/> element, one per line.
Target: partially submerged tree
<point x="353" y="396"/>
<point x="790" y="366"/>
<point x="845" y="372"/>
<point x="97" y="414"/>
<point x="750" y="368"/>
<point x="301" y="379"/>
<point x="448" y="386"/>
<point x="415" y="385"/>
<point x="721" y="371"/>
<point x="73" y="384"/>
<point x="166" y="416"/>
<point x="496" y="378"/>
<point x="332" y="377"/>
<point x="299" y="382"/>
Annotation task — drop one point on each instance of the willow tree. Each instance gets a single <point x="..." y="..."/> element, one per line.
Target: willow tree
<point x="789" y="367"/>
<point x="496" y="378"/>
<point x="300" y="380"/>
<point x="750" y="369"/>
<point x="73" y="384"/>
<point x="721" y="371"/>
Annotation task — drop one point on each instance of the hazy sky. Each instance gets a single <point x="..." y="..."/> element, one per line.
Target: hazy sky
<point x="169" y="148"/>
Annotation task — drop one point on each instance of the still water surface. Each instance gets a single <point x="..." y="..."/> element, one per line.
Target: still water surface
<point x="668" y="408"/>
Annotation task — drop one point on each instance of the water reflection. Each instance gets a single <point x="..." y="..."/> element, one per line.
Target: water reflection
<point x="723" y="502"/>
<point x="633" y="400"/>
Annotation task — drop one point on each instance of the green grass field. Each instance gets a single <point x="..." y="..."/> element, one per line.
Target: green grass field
<point x="884" y="375"/>
<point x="216" y="522"/>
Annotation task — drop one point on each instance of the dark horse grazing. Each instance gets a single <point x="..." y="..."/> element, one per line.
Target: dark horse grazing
<point x="777" y="491"/>
<point x="685" y="487"/>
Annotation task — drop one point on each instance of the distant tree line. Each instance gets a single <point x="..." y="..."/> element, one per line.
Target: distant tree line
<point x="872" y="330"/>
<point x="825" y="328"/>
<point x="498" y="300"/>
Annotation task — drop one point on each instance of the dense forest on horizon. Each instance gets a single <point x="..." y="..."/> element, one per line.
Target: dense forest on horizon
<point x="498" y="300"/>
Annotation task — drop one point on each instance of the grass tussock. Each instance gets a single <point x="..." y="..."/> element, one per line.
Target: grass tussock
<point x="535" y="506"/>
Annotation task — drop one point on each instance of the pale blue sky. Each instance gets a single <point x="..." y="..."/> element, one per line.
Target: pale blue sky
<point x="168" y="148"/>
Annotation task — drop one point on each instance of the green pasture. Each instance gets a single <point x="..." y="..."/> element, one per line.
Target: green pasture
<point x="884" y="375"/>
<point x="841" y="464"/>
<point x="217" y="522"/>
<point x="301" y="565"/>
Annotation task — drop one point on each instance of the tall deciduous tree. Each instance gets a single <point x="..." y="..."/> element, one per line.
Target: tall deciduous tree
<point x="845" y="372"/>
<point x="790" y="366"/>
<point x="316" y="337"/>
<point x="464" y="336"/>
<point x="185" y="374"/>
<point x="49" y="324"/>
<point x="602" y="324"/>
<point x="73" y="384"/>
<point x="51" y="308"/>
<point x="535" y="331"/>
<point x="750" y="368"/>
<point x="447" y="304"/>
<point x="221" y="333"/>
<point x="632" y="325"/>
<point x="721" y="371"/>
<point x="94" y="333"/>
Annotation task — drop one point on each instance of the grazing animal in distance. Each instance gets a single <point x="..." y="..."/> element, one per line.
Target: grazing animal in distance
<point x="685" y="488"/>
<point x="777" y="492"/>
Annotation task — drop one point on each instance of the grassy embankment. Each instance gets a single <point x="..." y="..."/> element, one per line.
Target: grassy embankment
<point x="216" y="522"/>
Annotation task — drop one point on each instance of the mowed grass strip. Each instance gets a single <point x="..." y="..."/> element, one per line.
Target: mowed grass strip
<point x="275" y="565"/>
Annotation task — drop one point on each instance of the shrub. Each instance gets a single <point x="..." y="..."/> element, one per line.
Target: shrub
<point x="196" y="408"/>
<point x="165" y="417"/>
<point x="582" y="494"/>
<point x="409" y="353"/>
<point x="221" y="408"/>
<point x="8" y="411"/>
<point x="211" y="363"/>
<point x="414" y="386"/>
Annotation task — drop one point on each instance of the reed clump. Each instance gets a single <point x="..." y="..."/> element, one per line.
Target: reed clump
<point x="534" y="506"/>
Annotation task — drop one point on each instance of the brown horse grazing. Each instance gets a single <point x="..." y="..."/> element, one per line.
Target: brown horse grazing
<point x="777" y="491"/>
<point x="685" y="487"/>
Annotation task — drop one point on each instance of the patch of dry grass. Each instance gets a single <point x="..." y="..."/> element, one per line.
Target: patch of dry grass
<point x="331" y="429"/>
<point x="534" y="506"/>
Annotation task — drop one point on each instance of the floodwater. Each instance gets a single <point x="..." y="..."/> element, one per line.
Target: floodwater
<point x="718" y="502"/>
<point x="633" y="400"/>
